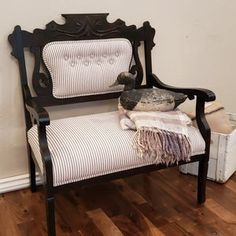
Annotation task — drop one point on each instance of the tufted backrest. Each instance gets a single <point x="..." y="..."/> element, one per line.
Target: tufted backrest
<point x="86" y="67"/>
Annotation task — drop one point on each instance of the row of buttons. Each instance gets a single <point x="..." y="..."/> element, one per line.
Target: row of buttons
<point x="111" y="61"/>
<point x="92" y="55"/>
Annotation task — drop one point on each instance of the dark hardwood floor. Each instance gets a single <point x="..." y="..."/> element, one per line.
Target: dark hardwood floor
<point x="159" y="203"/>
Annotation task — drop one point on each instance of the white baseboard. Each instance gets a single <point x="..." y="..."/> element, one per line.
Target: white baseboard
<point x="17" y="182"/>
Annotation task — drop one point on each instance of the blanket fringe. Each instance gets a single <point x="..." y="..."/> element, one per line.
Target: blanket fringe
<point x="162" y="146"/>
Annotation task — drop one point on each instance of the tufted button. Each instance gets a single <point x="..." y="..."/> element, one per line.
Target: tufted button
<point x="66" y="57"/>
<point x="117" y="54"/>
<point x="92" y="55"/>
<point x="72" y="63"/>
<point x="79" y="57"/>
<point x="86" y="63"/>
<point x="99" y="62"/>
<point x="111" y="61"/>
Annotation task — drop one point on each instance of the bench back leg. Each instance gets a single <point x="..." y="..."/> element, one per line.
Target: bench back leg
<point x="31" y="170"/>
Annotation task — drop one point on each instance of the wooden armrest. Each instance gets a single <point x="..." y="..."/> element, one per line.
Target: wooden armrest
<point x="204" y="94"/>
<point x="38" y="112"/>
<point x="42" y="118"/>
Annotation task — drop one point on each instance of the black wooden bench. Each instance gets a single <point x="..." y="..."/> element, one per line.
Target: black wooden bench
<point x="63" y="52"/>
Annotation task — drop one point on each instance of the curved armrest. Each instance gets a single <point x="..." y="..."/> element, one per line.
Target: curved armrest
<point x="204" y="94"/>
<point x="42" y="117"/>
<point x="38" y="112"/>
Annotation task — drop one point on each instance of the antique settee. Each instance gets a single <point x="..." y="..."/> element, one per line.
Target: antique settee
<point x="76" y="62"/>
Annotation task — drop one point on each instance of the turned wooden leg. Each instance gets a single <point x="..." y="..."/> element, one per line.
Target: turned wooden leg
<point x="202" y="177"/>
<point x="50" y="216"/>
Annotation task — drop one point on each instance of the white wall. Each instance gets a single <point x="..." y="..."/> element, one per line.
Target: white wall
<point x="195" y="47"/>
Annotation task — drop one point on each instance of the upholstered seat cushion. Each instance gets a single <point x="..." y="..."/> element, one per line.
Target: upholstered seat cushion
<point x="87" y="146"/>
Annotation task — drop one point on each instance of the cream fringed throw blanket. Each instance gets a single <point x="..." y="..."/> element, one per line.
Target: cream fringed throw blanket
<point x="162" y="136"/>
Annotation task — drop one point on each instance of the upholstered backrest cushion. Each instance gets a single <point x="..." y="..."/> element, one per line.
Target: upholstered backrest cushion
<point x="86" y="67"/>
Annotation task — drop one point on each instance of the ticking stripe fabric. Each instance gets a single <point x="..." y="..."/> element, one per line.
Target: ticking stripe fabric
<point x="93" y="145"/>
<point x="86" y="67"/>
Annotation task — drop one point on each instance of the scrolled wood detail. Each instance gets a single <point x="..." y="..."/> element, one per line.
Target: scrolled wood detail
<point x="41" y="82"/>
<point x="88" y="26"/>
<point x="83" y="26"/>
<point x="138" y="65"/>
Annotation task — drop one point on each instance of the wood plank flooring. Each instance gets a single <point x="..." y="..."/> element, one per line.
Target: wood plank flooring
<point x="158" y="203"/>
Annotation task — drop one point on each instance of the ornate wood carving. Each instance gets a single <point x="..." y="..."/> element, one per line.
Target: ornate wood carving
<point x="83" y="27"/>
<point x="89" y="26"/>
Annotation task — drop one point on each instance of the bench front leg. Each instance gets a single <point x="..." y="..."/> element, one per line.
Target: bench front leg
<point x="50" y="211"/>
<point x="203" y="164"/>
<point x="202" y="178"/>
<point x="48" y="179"/>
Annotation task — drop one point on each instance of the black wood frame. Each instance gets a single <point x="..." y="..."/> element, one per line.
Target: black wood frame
<point x="85" y="27"/>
